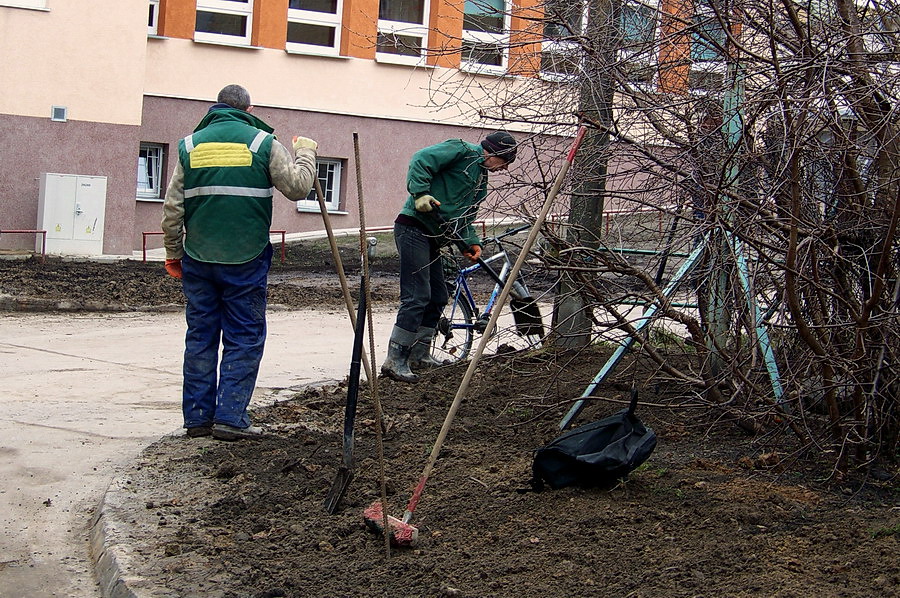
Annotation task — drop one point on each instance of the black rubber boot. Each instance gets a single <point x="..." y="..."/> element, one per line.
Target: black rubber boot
<point x="396" y="365"/>
<point x="420" y="356"/>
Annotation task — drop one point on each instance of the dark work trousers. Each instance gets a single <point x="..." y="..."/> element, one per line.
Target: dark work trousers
<point x="227" y="303"/>
<point x="423" y="292"/>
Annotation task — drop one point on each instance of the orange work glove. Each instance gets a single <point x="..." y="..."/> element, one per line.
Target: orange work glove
<point x="473" y="253"/>
<point x="173" y="267"/>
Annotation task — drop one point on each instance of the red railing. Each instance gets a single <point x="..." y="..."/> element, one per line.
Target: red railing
<point x="43" y="234"/>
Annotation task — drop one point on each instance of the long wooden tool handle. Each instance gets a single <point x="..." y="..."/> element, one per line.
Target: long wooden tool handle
<point x="339" y="265"/>
<point x="495" y="314"/>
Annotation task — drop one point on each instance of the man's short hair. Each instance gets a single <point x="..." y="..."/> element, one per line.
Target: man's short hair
<point x="235" y="96"/>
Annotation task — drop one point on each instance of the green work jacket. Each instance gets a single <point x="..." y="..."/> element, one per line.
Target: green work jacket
<point x="453" y="173"/>
<point x="227" y="187"/>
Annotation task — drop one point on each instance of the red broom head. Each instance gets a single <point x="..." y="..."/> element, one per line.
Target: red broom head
<point x="402" y="535"/>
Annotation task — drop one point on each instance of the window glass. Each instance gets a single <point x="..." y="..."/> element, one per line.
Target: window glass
<point x="326" y="6"/>
<point x="563" y="18"/>
<point x="314" y="35"/>
<point x="638" y="49"/>
<point x="402" y="11"/>
<point x="638" y="23"/>
<point x="708" y="37"/>
<point x="221" y="23"/>
<point x="402" y="45"/>
<point x="483" y="15"/>
<point x="488" y="54"/>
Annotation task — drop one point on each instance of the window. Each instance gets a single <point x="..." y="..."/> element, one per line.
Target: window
<point x="402" y="31"/>
<point x="153" y="21"/>
<point x="226" y="21"/>
<point x="329" y="174"/>
<point x="707" y="49"/>
<point x="150" y="169"/>
<point x="637" y="26"/>
<point x="24" y="3"/>
<point x="485" y="36"/>
<point x="314" y="26"/>
<point x="561" y="52"/>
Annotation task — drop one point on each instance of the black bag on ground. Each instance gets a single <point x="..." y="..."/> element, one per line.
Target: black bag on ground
<point x="595" y="454"/>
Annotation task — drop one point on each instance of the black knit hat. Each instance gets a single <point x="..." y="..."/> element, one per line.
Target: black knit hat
<point x="500" y="144"/>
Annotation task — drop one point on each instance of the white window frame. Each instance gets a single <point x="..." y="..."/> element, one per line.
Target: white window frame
<point x="331" y="187"/>
<point x="151" y="191"/>
<point x="420" y="30"/>
<point x="153" y="18"/>
<point x="228" y="7"/>
<point x="35" y="4"/>
<point x="562" y="48"/>
<point x="482" y="37"/>
<point x="322" y="19"/>
<point x="645" y="56"/>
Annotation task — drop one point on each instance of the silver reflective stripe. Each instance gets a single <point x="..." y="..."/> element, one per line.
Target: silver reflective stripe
<point x="257" y="141"/>
<point x="226" y="190"/>
<point x="189" y="143"/>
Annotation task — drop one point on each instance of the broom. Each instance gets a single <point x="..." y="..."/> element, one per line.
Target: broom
<point x="400" y="531"/>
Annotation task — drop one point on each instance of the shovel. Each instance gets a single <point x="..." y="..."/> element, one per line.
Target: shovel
<point x="345" y="471"/>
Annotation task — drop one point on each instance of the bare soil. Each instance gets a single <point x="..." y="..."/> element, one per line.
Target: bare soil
<point x="715" y="511"/>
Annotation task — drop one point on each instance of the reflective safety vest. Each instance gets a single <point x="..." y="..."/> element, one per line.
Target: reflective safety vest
<point x="227" y="188"/>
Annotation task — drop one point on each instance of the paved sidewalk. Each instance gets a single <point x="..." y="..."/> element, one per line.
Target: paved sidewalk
<point x="81" y="396"/>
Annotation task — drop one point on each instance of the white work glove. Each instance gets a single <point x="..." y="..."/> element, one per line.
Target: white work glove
<point x="426" y="203"/>
<point x="304" y="143"/>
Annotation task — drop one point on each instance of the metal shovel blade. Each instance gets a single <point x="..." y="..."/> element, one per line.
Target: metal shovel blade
<point x="338" y="489"/>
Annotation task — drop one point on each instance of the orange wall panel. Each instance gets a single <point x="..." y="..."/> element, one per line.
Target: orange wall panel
<point x="445" y="33"/>
<point x="177" y="18"/>
<point x="675" y="46"/>
<point x="270" y="23"/>
<point x="359" y="28"/>
<point x="525" y="38"/>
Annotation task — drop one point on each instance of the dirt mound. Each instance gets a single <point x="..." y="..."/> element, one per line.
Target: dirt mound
<point x="712" y="513"/>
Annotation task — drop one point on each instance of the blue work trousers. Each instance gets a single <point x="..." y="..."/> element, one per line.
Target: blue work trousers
<point x="423" y="290"/>
<point x="225" y="303"/>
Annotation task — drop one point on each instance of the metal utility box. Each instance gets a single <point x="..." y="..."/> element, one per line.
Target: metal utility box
<point x="71" y="208"/>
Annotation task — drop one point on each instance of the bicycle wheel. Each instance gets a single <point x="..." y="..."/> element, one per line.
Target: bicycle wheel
<point x="453" y="336"/>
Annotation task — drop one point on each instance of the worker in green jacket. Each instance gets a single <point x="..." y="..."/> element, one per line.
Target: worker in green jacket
<point x="446" y="183"/>
<point x="217" y="216"/>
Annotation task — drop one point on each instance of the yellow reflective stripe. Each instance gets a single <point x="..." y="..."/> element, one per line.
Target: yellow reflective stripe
<point x="219" y="154"/>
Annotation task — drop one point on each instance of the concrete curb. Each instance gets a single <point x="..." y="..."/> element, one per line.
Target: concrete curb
<point x="110" y="575"/>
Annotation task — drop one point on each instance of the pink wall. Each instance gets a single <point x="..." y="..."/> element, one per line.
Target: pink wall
<point x="385" y="149"/>
<point x="35" y="145"/>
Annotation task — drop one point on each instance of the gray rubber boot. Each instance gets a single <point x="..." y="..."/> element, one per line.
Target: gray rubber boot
<point x="420" y="356"/>
<point x="396" y="365"/>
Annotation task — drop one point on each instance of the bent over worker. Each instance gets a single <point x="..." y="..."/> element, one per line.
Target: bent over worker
<point x="217" y="216"/>
<point x="446" y="183"/>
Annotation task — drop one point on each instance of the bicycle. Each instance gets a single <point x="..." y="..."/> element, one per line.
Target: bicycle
<point x="458" y="323"/>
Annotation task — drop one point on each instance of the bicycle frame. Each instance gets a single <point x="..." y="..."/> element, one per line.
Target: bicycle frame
<point x="464" y="315"/>
<point x="463" y="285"/>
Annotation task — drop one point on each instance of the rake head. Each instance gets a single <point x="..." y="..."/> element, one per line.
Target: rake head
<point x="403" y="535"/>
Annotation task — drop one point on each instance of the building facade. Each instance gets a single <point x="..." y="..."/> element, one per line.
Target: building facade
<point x="106" y="88"/>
